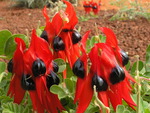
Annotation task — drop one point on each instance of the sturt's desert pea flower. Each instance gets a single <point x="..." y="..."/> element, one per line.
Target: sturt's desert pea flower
<point x="34" y="71"/>
<point x="91" y="6"/>
<point x="108" y="74"/>
<point x="61" y="34"/>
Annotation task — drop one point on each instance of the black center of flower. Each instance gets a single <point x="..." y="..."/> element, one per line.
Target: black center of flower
<point x="125" y="57"/>
<point x="76" y="37"/>
<point x="100" y="83"/>
<point x="44" y="35"/>
<point x="67" y="30"/>
<point x="52" y="79"/>
<point x="58" y="44"/>
<point x="78" y="69"/>
<point x="10" y="66"/>
<point x="117" y="75"/>
<point x="27" y="82"/>
<point x="38" y="67"/>
<point x="87" y="6"/>
<point x="94" y="7"/>
<point x="55" y="67"/>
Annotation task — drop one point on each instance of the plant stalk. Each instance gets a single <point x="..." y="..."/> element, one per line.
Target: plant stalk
<point x="138" y="86"/>
<point x="104" y="108"/>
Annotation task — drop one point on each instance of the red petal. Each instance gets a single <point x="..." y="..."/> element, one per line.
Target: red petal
<point x="128" y="75"/>
<point x="47" y="99"/>
<point x="49" y="28"/>
<point x="19" y="92"/>
<point x="110" y="36"/>
<point x="104" y="98"/>
<point x="45" y="14"/>
<point x="126" y="93"/>
<point x="84" y="38"/>
<point x="57" y="22"/>
<point x="73" y="20"/>
<point x="79" y="88"/>
<point x="115" y="96"/>
<point x="85" y="96"/>
<point x="15" y="88"/>
<point x="40" y="48"/>
<point x="37" y="106"/>
<point x="94" y="58"/>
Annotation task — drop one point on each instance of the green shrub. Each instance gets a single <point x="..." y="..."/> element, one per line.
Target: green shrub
<point x="33" y="3"/>
<point x="133" y="10"/>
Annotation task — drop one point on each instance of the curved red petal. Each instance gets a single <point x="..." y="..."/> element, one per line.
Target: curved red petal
<point x="104" y="98"/>
<point x="45" y="14"/>
<point x="79" y="88"/>
<point x="57" y="22"/>
<point x="40" y="48"/>
<point x="73" y="20"/>
<point x="115" y="96"/>
<point x="37" y="106"/>
<point x="84" y="38"/>
<point x="15" y="88"/>
<point x="110" y="36"/>
<point x="85" y="96"/>
<point x="126" y="93"/>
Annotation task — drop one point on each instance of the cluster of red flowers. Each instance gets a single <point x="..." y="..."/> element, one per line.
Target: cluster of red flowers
<point x="91" y="6"/>
<point x="107" y="73"/>
<point x="34" y="69"/>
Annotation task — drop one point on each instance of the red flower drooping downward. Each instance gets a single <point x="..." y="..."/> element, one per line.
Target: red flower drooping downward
<point x="62" y="35"/>
<point x="87" y="6"/>
<point x="108" y="74"/>
<point x="34" y="71"/>
<point x="91" y="6"/>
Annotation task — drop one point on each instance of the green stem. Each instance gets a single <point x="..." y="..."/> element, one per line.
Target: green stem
<point x="143" y="78"/>
<point x="138" y="86"/>
<point x="3" y="57"/>
<point x="104" y="108"/>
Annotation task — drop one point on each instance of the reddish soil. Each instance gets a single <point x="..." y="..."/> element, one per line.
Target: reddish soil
<point x="133" y="35"/>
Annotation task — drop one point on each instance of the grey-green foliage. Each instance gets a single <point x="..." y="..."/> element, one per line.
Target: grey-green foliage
<point x="38" y="3"/>
<point x="32" y="3"/>
<point x="135" y="9"/>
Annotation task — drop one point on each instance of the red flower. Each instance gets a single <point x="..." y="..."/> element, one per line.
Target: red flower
<point x="62" y="36"/>
<point x="95" y="8"/>
<point x="16" y="67"/>
<point x="91" y="6"/>
<point x="87" y="6"/>
<point x="80" y="67"/>
<point x="108" y="75"/>
<point x="111" y="40"/>
<point x="36" y="75"/>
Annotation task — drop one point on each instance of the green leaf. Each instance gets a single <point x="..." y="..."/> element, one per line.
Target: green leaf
<point x="92" y="110"/>
<point x="61" y="63"/>
<point x="147" y="74"/>
<point x="56" y="89"/>
<point x="128" y="66"/>
<point x="3" y="74"/>
<point x="38" y="32"/>
<point x="4" y="36"/>
<point x="69" y="71"/>
<point x="133" y="69"/>
<point x="5" y="99"/>
<point x="2" y="67"/>
<point x="69" y="85"/>
<point x="11" y="45"/>
<point x="102" y="38"/>
<point x="14" y="108"/>
<point x="120" y="109"/>
<point x="126" y="111"/>
<point x="147" y="63"/>
<point x="147" y="110"/>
